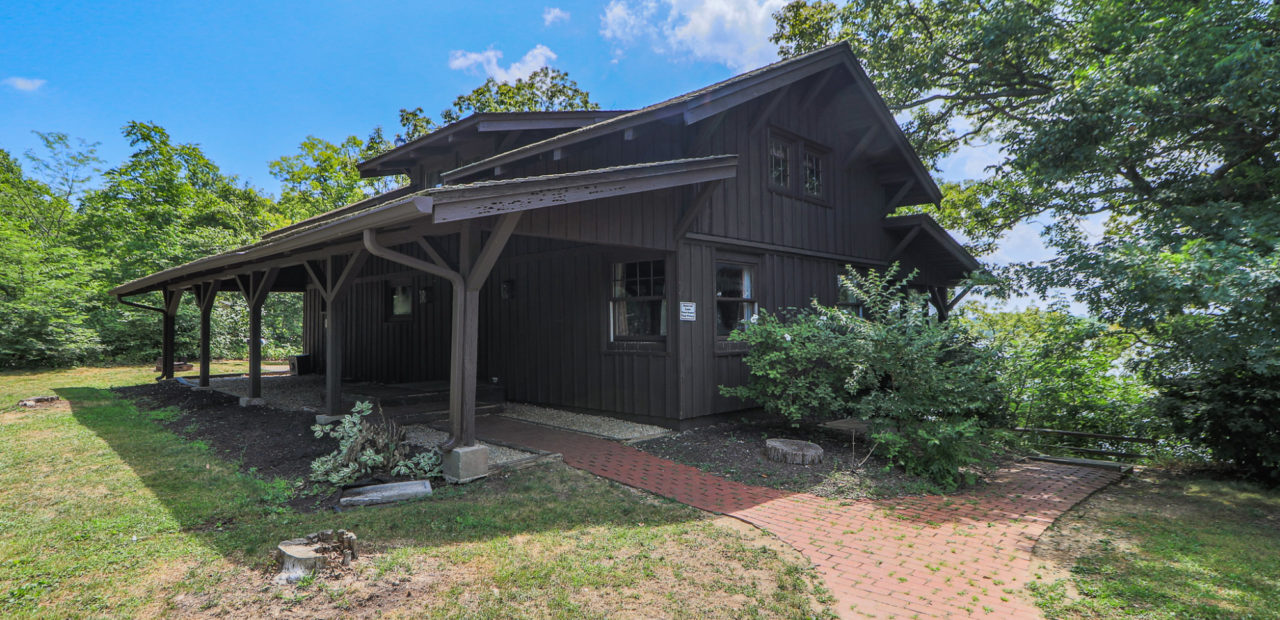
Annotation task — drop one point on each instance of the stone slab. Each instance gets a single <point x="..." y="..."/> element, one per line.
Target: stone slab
<point x="385" y="493"/>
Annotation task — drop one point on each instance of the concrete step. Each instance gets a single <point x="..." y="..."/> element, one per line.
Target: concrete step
<point x="1123" y="468"/>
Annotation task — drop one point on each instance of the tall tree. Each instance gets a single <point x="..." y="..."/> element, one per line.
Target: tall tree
<point x="1157" y="117"/>
<point x="322" y="176"/>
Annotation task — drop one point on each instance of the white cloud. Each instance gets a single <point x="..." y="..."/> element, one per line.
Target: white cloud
<point x="734" y="33"/>
<point x="551" y="15"/>
<point x="487" y="61"/>
<point x="26" y="85"/>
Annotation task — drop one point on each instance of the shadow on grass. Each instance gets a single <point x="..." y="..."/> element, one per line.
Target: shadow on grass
<point x="243" y="516"/>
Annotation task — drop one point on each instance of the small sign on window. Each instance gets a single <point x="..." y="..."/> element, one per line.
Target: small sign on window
<point x="688" y="311"/>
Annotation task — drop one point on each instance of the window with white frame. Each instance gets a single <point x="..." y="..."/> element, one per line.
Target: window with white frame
<point x="735" y="297"/>
<point x="638" y="304"/>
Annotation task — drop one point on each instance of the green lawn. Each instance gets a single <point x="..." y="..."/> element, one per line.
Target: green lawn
<point x="1165" y="546"/>
<point x="105" y="513"/>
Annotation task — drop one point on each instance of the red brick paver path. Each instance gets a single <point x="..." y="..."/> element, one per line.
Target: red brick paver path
<point x="959" y="555"/>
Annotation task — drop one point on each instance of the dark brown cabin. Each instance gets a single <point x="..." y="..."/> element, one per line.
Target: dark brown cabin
<point x="598" y="260"/>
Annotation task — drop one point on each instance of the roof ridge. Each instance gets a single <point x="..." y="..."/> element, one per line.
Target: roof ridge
<point x="542" y="145"/>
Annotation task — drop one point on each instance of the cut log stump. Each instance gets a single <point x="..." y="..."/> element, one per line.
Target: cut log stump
<point x="793" y="451"/>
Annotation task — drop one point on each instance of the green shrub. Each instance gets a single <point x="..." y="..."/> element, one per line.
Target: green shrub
<point x="928" y="387"/>
<point x="1234" y="412"/>
<point x="366" y="448"/>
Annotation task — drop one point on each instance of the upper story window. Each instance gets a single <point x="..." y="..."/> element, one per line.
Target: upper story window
<point x="735" y="297"/>
<point x="797" y="167"/>
<point x="813" y="181"/>
<point x="779" y="162"/>
<point x="638" y="304"/>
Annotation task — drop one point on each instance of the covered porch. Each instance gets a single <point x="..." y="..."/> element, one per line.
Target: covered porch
<point x="455" y="234"/>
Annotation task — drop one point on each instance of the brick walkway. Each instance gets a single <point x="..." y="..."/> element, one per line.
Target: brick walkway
<point x="961" y="555"/>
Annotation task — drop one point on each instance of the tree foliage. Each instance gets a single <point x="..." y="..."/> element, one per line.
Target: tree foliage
<point x="545" y="90"/>
<point x="1144" y="133"/>
<point x="929" y="387"/>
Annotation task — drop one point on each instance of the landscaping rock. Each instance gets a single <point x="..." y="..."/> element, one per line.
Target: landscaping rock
<point x="299" y="557"/>
<point x="385" y="493"/>
<point x="324" y="419"/>
<point x="793" y="451"/>
<point x="36" y="401"/>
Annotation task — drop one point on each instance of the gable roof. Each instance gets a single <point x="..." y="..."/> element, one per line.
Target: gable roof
<point x="393" y="160"/>
<point x="705" y="102"/>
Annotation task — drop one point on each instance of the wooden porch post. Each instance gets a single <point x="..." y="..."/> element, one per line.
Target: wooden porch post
<point x="333" y="287"/>
<point x="171" y="300"/>
<point x="205" y="294"/>
<point x="255" y="287"/>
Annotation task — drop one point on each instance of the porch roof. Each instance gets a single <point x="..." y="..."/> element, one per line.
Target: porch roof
<point x="431" y="211"/>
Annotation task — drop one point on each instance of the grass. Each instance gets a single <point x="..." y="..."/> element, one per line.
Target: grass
<point x="1163" y="546"/>
<point x="105" y="513"/>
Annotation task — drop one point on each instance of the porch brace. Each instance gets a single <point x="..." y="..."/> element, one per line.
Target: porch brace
<point x="466" y="283"/>
<point x="170" y="313"/>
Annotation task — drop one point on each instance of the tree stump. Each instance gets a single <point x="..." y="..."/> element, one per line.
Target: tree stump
<point x="793" y="451"/>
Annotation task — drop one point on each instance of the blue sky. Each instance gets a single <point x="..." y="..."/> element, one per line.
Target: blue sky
<point x="249" y="81"/>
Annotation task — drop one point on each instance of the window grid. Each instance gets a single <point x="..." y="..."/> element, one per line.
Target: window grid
<point x="638" y="305"/>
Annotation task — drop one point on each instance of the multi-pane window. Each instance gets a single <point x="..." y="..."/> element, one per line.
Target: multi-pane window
<point x="797" y="167"/>
<point x="638" y="305"/>
<point x="735" y="299"/>
<point x="779" y="162"/>
<point x="812" y="173"/>
<point x="399" y="301"/>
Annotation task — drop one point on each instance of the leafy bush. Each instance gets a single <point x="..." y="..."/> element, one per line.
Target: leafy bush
<point x="366" y="448"/>
<point x="1233" y="412"/>
<point x="928" y="386"/>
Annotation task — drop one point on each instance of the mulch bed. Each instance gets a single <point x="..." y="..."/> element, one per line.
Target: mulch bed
<point x="736" y="451"/>
<point x="273" y="442"/>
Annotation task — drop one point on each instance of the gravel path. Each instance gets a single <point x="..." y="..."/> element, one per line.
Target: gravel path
<point x="288" y="392"/>
<point x="613" y="428"/>
<point x="423" y="435"/>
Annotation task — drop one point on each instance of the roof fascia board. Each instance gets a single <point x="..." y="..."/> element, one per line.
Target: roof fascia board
<point x="938" y="233"/>
<point x="881" y="110"/>
<point x="391" y="213"/>
<point x="605" y="186"/>
<point x="525" y="124"/>
<point x="735" y="96"/>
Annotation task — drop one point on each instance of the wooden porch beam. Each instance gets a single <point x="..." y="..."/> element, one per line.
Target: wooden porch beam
<point x="700" y="143"/>
<point x="488" y="257"/>
<point x="762" y="116"/>
<point x="699" y="203"/>
<point x="431" y="251"/>
<point x="172" y="298"/>
<point x="255" y="287"/>
<point x="206" y="294"/>
<point x="899" y="195"/>
<point x="861" y="147"/>
<point x="816" y="89"/>
<point x="902" y="245"/>
<point x="959" y="296"/>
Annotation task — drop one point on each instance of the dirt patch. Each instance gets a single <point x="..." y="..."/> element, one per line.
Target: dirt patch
<point x="736" y="451"/>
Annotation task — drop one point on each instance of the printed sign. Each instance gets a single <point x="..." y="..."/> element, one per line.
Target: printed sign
<point x="688" y="311"/>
